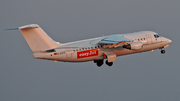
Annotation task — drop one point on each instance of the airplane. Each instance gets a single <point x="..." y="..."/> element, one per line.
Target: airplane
<point x="95" y="49"/>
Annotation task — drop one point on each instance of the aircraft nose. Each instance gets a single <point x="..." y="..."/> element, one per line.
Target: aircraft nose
<point x="169" y="41"/>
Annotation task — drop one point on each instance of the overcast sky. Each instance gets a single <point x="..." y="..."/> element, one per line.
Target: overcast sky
<point x="148" y="76"/>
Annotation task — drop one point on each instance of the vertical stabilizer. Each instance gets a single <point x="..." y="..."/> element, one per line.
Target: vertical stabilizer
<point x="36" y="38"/>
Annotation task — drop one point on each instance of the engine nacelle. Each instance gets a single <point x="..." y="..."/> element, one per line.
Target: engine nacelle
<point x="134" y="46"/>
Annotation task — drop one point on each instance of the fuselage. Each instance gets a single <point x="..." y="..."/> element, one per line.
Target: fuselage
<point x="88" y="50"/>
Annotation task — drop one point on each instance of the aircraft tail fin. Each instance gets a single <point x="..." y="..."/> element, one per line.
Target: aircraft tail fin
<point x="36" y="38"/>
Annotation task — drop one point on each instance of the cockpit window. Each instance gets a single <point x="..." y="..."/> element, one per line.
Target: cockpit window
<point x="156" y="36"/>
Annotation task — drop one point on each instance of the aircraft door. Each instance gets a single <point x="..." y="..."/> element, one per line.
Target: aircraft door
<point x="68" y="53"/>
<point x="149" y="40"/>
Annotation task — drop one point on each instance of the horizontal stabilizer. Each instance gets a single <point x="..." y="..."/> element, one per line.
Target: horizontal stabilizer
<point x="29" y="26"/>
<point x="12" y="29"/>
<point x="25" y="27"/>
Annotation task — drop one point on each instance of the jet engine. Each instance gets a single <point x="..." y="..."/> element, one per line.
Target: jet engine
<point x="134" y="46"/>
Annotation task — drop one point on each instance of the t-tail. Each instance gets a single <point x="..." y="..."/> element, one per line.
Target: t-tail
<point x="36" y="38"/>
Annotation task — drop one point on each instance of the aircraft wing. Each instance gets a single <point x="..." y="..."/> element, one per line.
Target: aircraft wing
<point x="113" y="41"/>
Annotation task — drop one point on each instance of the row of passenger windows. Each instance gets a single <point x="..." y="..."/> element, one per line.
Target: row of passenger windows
<point x="82" y="49"/>
<point x="88" y="48"/>
<point x="139" y="39"/>
<point x="156" y="36"/>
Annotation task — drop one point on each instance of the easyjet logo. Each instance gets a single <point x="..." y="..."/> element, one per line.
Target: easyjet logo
<point x="88" y="53"/>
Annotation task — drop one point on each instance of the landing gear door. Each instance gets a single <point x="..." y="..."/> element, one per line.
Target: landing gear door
<point x="149" y="40"/>
<point x="111" y="56"/>
<point x="68" y="53"/>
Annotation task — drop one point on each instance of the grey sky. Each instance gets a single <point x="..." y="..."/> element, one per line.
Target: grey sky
<point x="148" y="76"/>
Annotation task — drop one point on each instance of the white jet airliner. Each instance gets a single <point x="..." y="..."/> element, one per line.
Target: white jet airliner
<point x="95" y="49"/>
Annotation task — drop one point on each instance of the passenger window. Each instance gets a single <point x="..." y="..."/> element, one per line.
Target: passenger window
<point x="144" y="39"/>
<point x="138" y="40"/>
<point x="141" y="39"/>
